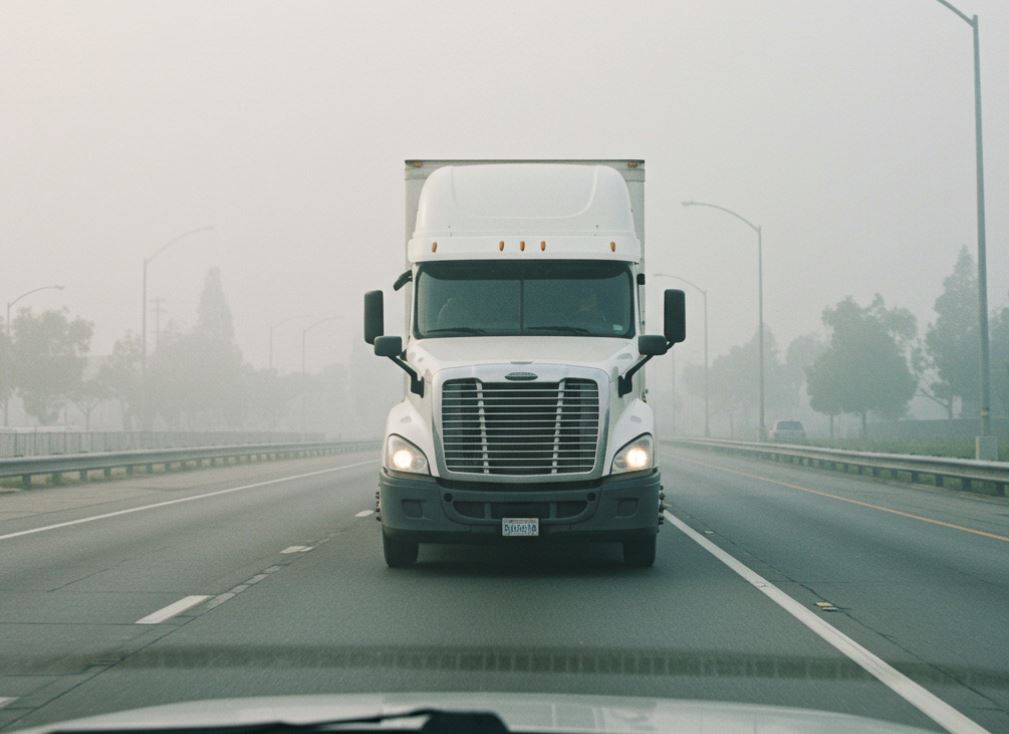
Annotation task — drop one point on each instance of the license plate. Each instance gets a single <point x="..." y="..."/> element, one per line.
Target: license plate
<point x="515" y="527"/>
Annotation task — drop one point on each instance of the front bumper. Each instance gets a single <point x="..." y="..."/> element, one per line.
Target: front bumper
<point x="422" y="509"/>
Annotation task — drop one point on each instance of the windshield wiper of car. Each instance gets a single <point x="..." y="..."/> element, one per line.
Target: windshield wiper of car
<point x="564" y="329"/>
<point x="458" y="330"/>
<point x="437" y="721"/>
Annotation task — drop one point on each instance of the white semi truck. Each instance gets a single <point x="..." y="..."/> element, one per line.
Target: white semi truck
<point x="525" y="416"/>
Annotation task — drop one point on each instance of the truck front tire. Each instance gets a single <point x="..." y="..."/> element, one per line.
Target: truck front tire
<point x="640" y="552"/>
<point x="399" y="553"/>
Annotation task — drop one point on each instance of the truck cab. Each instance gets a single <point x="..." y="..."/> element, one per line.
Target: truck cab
<point x="524" y="416"/>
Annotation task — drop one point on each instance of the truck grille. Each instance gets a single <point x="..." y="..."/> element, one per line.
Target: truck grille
<point x="536" y="428"/>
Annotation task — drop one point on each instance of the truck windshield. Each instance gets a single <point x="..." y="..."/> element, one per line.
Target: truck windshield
<point x="559" y="298"/>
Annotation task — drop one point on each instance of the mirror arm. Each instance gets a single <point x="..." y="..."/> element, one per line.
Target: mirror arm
<point x="416" y="381"/>
<point x="626" y="382"/>
<point x="402" y="280"/>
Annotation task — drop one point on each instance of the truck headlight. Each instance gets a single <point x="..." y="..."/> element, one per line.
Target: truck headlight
<point x="637" y="455"/>
<point x="403" y="456"/>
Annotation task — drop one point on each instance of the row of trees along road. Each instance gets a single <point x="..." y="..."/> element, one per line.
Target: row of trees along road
<point x="865" y="366"/>
<point x="871" y="361"/>
<point x="43" y="360"/>
<point x="197" y="379"/>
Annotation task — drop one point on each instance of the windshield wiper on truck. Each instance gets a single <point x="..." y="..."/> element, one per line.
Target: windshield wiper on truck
<point x="565" y="329"/>
<point x="437" y="721"/>
<point x="457" y="330"/>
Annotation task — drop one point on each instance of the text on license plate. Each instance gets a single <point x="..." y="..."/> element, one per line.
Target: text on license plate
<point x="520" y="526"/>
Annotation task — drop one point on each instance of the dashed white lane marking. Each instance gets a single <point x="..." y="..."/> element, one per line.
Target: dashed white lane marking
<point x="220" y="599"/>
<point x="365" y="513"/>
<point x="186" y="602"/>
<point x="5" y="701"/>
<point x="932" y="706"/>
<point x="191" y="498"/>
<point x="297" y="549"/>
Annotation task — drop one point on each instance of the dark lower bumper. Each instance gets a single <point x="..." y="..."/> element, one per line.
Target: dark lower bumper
<point x="616" y="508"/>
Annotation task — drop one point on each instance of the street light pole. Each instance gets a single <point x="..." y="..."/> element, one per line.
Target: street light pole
<point x="9" y="332"/>
<point x="143" y="313"/>
<point x="704" y="298"/>
<point x="986" y="446"/>
<point x="758" y="229"/>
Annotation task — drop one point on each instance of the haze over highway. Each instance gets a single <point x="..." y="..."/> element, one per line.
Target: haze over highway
<point x="323" y="321"/>
<point x="844" y="127"/>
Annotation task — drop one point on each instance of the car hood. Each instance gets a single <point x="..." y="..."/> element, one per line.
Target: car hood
<point x="520" y="712"/>
<point x="525" y="352"/>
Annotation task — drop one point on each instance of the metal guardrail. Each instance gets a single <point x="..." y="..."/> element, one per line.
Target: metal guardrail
<point x="940" y="468"/>
<point x="83" y="464"/>
<point x="45" y="442"/>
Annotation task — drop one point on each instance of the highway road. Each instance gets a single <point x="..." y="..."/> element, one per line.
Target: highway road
<point x="268" y="579"/>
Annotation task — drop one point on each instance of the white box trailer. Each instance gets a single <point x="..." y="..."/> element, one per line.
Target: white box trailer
<point x="524" y="331"/>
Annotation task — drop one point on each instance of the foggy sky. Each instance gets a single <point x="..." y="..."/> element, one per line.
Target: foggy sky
<point x="845" y="128"/>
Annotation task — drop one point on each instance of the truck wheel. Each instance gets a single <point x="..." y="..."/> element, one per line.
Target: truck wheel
<point x="398" y="553"/>
<point x="640" y="552"/>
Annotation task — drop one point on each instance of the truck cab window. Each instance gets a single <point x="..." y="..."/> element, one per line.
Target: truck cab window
<point x="559" y="298"/>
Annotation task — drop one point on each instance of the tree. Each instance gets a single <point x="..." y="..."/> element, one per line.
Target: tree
<point x="802" y="351"/>
<point x="87" y="396"/>
<point x="948" y="362"/>
<point x="120" y="375"/>
<point x="271" y="398"/>
<point x="6" y="368"/>
<point x="929" y="384"/>
<point x="196" y="378"/>
<point x="213" y="314"/>
<point x="824" y="380"/>
<point x="999" y="338"/>
<point x="866" y="366"/>
<point x="49" y="357"/>
<point x="733" y="382"/>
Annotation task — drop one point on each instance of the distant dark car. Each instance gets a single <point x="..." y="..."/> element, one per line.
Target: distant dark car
<point x="788" y="432"/>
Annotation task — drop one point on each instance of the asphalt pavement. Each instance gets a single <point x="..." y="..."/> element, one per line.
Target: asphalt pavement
<point x="268" y="579"/>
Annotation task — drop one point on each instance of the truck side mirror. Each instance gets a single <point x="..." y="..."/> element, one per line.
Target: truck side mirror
<point x="652" y="345"/>
<point x="374" y="316"/>
<point x="675" y="316"/>
<point x="388" y="346"/>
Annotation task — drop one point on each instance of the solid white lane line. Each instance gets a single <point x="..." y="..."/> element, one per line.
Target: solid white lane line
<point x="297" y="549"/>
<point x="365" y="513"/>
<point x="180" y="500"/>
<point x="929" y="704"/>
<point x="186" y="602"/>
<point x="5" y="701"/>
